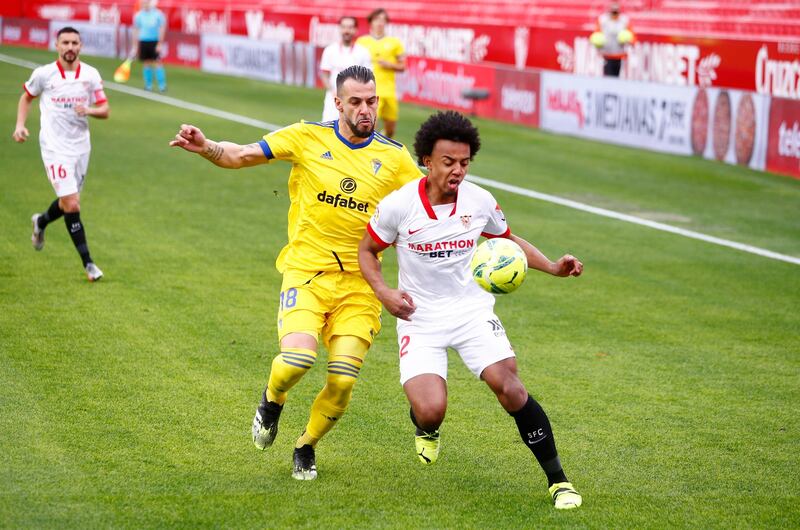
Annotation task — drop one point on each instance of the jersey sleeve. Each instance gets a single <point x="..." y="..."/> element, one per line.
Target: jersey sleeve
<point x="364" y="58"/>
<point x="34" y="85"/>
<point x="325" y="60"/>
<point x="284" y="144"/>
<point x="383" y="224"/>
<point x="399" y="49"/>
<point x="162" y="19"/>
<point x="137" y="20"/>
<point x="497" y="225"/>
<point x="408" y="169"/>
<point x="97" y="95"/>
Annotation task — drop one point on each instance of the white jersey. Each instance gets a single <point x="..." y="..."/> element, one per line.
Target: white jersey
<point x="435" y="245"/>
<point x="335" y="58"/>
<point x="63" y="130"/>
<point x="611" y="28"/>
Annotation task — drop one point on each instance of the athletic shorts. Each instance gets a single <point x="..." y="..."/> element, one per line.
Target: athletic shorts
<point x="147" y="50"/>
<point x="388" y="109"/>
<point x="479" y="339"/>
<point x="326" y="304"/>
<point x="65" y="172"/>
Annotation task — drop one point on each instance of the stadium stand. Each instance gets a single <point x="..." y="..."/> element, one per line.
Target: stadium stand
<point x="678" y="17"/>
<point x="696" y="18"/>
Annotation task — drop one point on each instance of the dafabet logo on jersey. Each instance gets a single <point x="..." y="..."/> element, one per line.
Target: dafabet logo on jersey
<point x="337" y="201"/>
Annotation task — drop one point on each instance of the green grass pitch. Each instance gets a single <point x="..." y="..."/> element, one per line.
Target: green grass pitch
<point x="670" y="369"/>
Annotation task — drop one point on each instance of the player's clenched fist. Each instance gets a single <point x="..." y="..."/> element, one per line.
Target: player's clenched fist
<point x="190" y="138"/>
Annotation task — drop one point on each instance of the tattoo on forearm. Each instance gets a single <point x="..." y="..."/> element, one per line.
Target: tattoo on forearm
<point x="213" y="152"/>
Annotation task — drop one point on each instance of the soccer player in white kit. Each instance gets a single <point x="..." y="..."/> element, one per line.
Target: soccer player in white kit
<point x="336" y="57"/>
<point x="435" y="223"/>
<point x="70" y="91"/>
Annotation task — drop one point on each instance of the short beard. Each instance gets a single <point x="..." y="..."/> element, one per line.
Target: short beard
<point x="74" y="57"/>
<point x="356" y="132"/>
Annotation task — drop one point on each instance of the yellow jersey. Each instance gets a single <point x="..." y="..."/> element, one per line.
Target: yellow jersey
<point x="334" y="187"/>
<point x="386" y="49"/>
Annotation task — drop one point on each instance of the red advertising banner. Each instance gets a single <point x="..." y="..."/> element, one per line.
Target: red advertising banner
<point x="783" y="148"/>
<point x="444" y="84"/>
<point x="101" y="12"/>
<point x="182" y="49"/>
<point x="764" y="66"/>
<point x="25" y="32"/>
<point x="516" y="96"/>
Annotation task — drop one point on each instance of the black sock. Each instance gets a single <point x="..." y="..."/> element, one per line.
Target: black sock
<point x="534" y="427"/>
<point x="269" y="409"/>
<point x="76" y="232"/>
<point x="52" y="213"/>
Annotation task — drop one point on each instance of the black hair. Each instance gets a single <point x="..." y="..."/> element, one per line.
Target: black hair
<point x="362" y="74"/>
<point x="351" y="17"/>
<point x="67" y="29"/>
<point x="376" y="12"/>
<point x="449" y="125"/>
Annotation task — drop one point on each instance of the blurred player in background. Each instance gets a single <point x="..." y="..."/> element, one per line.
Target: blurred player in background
<point x="437" y="303"/>
<point x="149" y="31"/>
<point x="612" y="34"/>
<point x="336" y="57"/>
<point x="388" y="57"/>
<point x="71" y="92"/>
<point x="340" y="170"/>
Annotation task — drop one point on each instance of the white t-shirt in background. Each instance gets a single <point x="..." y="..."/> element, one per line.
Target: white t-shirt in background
<point x="335" y="58"/>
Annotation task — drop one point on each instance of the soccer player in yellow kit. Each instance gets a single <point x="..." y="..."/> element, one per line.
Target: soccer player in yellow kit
<point x="340" y="171"/>
<point x="388" y="57"/>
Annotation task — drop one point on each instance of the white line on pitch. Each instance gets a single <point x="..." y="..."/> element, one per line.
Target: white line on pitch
<point x="238" y="118"/>
<point x="633" y="219"/>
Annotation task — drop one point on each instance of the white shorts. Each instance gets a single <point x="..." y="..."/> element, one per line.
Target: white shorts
<point x="65" y="172"/>
<point x="479" y="340"/>
<point x="329" y="110"/>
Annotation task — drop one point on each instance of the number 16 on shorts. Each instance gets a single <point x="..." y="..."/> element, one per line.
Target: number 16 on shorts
<point x="65" y="173"/>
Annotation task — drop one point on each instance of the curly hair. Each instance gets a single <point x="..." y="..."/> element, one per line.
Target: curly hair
<point x="449" y="125"/>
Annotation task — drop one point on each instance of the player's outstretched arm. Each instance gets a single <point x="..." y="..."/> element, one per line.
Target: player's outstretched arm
<point x="567" y="265"/>
<point x="397" y="302"/>
<point x="23" y="108"/>
<point x="223" y="154"/>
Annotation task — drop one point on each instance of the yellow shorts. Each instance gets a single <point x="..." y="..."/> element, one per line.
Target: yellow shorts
<point x="328" y="304"/>
<point x="388" y="108"/>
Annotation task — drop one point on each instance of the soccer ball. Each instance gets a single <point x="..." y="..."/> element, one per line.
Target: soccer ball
<point x="499" y="266"/>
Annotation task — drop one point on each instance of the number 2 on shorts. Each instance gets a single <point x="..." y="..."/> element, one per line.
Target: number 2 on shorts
<point x="404" y="344"/>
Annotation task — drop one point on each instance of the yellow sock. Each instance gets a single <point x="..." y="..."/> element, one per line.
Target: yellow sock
<point x="345" y="360"/>
<point x="288" y="367"/>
